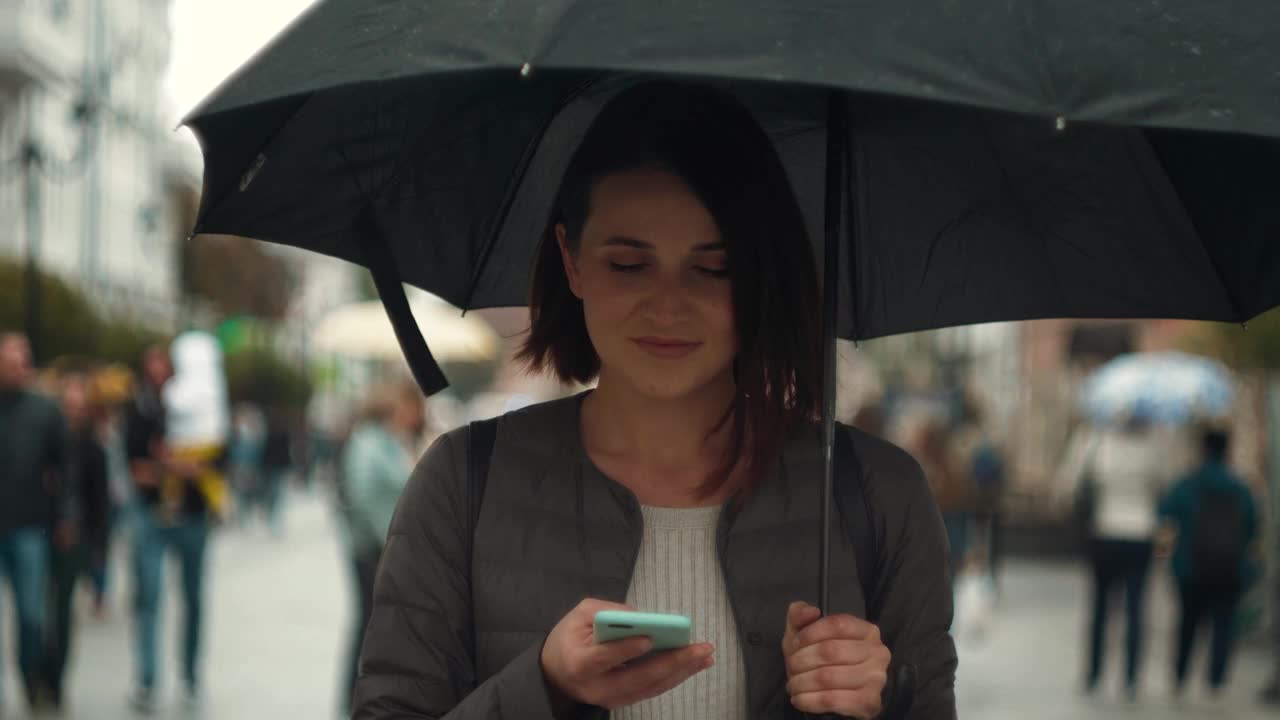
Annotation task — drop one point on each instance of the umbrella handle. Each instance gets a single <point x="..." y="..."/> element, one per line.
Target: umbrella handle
<point x="386" y="279"/>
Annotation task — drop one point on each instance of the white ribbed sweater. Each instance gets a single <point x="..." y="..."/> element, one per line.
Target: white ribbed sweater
<point x="678" y="571"/>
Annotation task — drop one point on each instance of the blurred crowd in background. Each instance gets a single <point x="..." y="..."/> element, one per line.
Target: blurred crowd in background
<point x="154" y="458"/>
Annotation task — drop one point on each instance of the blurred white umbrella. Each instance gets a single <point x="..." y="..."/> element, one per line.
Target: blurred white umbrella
<point x="1170" y="387"/>
<point x="362" y="330"/>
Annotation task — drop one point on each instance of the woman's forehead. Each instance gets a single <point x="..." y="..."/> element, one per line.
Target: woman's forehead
<point x="648" y="210"/>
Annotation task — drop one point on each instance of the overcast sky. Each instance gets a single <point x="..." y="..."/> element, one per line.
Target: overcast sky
<point x="211" y="38"/>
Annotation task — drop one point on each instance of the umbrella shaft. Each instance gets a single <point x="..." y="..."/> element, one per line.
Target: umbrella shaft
<point x="837" y="149"/>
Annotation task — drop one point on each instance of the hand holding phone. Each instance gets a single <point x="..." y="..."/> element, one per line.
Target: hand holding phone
<point x="612" y="674"/>
<point x="666" y="631"/>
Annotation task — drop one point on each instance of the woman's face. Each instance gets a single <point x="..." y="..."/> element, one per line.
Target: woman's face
<point x="651" y="272"/>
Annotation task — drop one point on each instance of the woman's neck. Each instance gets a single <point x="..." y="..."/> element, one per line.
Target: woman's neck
<point x="660" y="448"/>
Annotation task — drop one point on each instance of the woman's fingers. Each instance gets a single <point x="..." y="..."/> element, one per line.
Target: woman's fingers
<point x="799" y="616"/>
<point x="850" y="703"/>
<point x="656" y="675"/>
<point x="615" y="653"/>
<point x="839" y="677"/>
<point x="833" y="652"/>
<point x="587" y="609"/>
<point x="832" y="627"/>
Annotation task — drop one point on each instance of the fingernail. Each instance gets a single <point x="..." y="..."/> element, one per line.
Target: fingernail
<point x="703" y="651"/>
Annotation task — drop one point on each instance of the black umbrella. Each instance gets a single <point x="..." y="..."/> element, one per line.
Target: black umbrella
<point x="973" y="161"/>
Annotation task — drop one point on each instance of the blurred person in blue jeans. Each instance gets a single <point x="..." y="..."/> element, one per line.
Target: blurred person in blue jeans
<point x="375" y="468"/>
<point x="36" y="496"/>
<point x="1217" y="522"/>
<point x="176" y="432"/>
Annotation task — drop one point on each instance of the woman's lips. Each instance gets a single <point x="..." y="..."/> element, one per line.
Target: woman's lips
<point x="666" y="347"/>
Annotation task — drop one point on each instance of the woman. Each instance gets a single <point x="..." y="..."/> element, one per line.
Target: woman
<point x="1126" y="468"/>
<point x="676" y="272"/>
<point x="376" y="464"/>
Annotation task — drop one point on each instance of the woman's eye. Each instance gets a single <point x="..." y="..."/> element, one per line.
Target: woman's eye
<point x="626" y="267"/>
<point x="713" y="272"/>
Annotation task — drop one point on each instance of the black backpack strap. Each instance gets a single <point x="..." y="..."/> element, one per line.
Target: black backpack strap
<point x="859" y="520"/>
<point x="481" y="436"/>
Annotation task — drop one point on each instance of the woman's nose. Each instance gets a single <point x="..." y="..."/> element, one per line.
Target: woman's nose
<point x="668" y="304"/>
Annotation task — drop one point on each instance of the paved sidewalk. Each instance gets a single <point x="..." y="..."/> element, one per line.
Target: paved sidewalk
<point x="1031" y="663"/>
<point x="278" y="628"/>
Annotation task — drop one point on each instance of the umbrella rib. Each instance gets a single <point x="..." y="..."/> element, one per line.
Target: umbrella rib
<point x="204" y="217"/>
<point x="1020" y="205"/>
<point x="509" y="195"/>
<point x="855" y="213"/>
<point x="1213" y="264"/>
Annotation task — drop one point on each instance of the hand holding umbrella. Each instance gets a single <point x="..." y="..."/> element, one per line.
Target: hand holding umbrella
<point x="835" y="664"/>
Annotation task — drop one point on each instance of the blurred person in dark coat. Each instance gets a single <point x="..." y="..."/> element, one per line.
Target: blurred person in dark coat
<point x="88" y="472"/>
<point x="1217" y="523"/>
<point x="37" y="501"/>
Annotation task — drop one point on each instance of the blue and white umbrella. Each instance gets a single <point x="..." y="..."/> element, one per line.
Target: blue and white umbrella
<point x="1168" y="387"/>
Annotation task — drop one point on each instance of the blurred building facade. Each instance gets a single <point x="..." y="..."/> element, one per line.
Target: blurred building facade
<point x="89" y="152"/>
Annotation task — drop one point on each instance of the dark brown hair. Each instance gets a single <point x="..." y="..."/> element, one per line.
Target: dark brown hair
<point x="712" y="143"/>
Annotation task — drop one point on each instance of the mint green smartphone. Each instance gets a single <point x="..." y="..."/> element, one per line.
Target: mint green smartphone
<point x="666" y="631"/>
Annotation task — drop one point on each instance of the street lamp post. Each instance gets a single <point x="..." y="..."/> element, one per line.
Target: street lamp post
<point x="32" y="160"/>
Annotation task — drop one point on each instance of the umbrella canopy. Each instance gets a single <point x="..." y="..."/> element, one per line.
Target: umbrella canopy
<point x="363" y="330"/>
<point x="1169" y="387"/>
<point x="1000" y="171"/>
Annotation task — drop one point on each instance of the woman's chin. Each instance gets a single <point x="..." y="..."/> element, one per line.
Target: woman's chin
<point x="672" y="385"/>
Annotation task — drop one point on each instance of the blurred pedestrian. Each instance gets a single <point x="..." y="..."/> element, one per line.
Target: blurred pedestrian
<point x="929" y="440"/>
<point x="245" y="454"/>
<point x="279" y="458"/>
<point x="1217" y="523"/>
<point x="112" y="388"/>
<point x="981" y="458"/>
<point x="178" y="428"/>
<point x="88" y="468"/>
<point x="1124" y="472"/>
<point x="37" y="501"/>
<point x="375" y="469"/>
<point x="870" y="419"/>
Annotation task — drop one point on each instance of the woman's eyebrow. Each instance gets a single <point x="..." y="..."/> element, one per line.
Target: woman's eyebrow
<point x="630" y="242"/>
<point x="624" y="241"/>
<point x="716" y="246"/>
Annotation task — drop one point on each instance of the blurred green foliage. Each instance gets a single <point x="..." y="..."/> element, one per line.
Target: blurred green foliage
<point x="69" y="325"/>
<point x="260" y="376"/>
